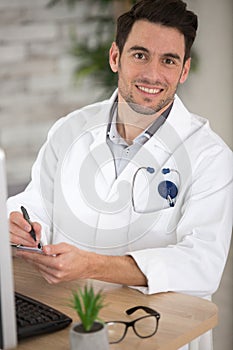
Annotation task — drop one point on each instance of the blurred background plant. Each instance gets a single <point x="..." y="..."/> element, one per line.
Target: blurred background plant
<point x="91" y="54"/>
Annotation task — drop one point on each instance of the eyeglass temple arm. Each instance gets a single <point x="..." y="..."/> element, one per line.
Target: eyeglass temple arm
<point x="145" y="308"/>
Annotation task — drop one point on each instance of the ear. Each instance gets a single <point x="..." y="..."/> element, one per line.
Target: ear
<point x="114" y="56"/>
<point x="185" y="71"/>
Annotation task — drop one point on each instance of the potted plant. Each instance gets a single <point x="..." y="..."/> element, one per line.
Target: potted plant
<point x="90" y="333"/>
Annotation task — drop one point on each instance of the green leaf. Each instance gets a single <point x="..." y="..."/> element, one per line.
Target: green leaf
<point x="87" y="304"/>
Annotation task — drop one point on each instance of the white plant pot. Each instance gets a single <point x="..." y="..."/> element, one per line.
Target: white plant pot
<point x="96" y="339"/>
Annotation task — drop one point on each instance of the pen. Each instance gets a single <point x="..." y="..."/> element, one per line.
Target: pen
<point x="27" y="218"/>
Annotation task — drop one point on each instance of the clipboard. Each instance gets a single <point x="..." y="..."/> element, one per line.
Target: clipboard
<point x="28" y="249"/>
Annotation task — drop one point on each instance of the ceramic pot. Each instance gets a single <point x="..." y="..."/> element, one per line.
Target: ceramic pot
<point x="96" y="339"/>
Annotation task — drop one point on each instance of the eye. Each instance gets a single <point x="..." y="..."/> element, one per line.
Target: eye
<point x="168" y="61"/>
<point x="140" y="56"/>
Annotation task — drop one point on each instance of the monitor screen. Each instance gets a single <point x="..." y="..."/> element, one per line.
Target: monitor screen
<point x="8" y="338"/>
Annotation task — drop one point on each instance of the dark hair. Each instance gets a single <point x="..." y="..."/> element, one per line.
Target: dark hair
<point x="170" y="13"/>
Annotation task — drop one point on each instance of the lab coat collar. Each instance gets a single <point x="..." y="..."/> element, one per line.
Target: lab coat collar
<point x="178" y="121"/>
<point x="98" y="128"/>
<point x="175" y="130"/>
<point x="97" y="125"/>
<point x="170" y="135"/>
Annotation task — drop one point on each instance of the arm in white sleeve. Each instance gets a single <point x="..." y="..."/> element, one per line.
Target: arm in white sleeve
<point x="195" y="264"/>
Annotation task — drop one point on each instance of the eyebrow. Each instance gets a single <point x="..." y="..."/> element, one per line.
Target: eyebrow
<point x="172" y="55"/>
<point x="138" y="48"/>
<point x="142" y="48"/>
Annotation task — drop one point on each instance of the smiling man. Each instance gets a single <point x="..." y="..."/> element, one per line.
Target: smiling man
<point x="150" y="66"/>
<point x="134" y="190"/>
<point x="150" y="73"/>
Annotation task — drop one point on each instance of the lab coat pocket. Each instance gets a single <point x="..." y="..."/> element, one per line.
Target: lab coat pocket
<point x="153" y="199"/>
<point x="153" y="228"/>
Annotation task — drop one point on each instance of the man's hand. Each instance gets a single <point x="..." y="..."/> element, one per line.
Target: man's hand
<point x="20" y="228"/>
<point x="60" y="262"/>
<point x="64" y="262"/>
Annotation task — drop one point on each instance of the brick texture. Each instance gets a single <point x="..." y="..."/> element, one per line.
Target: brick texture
<point x="36" y="76"/>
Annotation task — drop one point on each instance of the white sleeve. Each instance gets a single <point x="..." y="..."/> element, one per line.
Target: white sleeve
<point x="194" y="265"/>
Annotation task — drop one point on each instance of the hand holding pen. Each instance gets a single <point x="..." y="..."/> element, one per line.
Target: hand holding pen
<point x="27" y="218"/>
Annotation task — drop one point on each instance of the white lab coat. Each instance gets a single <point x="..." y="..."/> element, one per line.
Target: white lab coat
<point x="76" y="197"/>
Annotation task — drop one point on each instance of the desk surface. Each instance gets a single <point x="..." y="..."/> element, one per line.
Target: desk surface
<point x="183" y="317"/>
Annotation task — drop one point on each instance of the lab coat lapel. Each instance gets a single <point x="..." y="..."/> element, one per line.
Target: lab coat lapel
<point x="99" y="150"/>
<point x="102" y="156"/>
<point x="172" y="134"/>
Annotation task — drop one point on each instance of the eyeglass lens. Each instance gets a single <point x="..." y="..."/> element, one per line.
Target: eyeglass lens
<point x="144" y="327"/>
<point x="116" y="331"/>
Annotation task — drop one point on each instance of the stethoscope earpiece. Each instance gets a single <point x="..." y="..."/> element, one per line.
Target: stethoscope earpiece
<point x="166" y="171"/>
<point x="150" y="170"/>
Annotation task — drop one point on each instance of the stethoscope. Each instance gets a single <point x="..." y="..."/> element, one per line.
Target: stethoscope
<point x="167" y="189"/>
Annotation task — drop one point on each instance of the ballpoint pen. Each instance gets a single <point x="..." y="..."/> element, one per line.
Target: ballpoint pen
<point x="27" y="218"/>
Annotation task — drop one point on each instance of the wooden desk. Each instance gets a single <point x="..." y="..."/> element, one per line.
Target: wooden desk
<point x="183" y="317"/>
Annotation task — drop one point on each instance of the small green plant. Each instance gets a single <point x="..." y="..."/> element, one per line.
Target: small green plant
<point x="87" y="304"/>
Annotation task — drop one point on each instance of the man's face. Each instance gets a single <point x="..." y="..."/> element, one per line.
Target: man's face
<point x="150" y="67"/>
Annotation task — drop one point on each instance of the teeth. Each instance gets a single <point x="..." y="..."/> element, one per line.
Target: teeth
<point x="149" y="91"/>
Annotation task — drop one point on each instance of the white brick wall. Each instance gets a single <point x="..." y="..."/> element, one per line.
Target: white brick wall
<point x="36" y="76"/>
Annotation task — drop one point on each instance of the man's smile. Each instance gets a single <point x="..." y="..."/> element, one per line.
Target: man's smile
<point x="152" y="91"/>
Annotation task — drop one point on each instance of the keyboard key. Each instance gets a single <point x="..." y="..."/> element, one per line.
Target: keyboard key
<point x="34" y="317"/>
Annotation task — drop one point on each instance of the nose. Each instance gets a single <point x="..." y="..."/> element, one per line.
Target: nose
<point x="153" y="72"/>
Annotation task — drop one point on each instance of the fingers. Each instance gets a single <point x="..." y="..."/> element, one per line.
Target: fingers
<point x="20" y="228"/>
<point x="49" y="266"/>
<point x="56" y="249"/>
<point x="51" y="275"/>
<point x="48" y="273"/>
<point x="57" y="263"/>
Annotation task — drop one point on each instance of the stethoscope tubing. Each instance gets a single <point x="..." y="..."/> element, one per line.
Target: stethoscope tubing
<point x="167" y="189"/>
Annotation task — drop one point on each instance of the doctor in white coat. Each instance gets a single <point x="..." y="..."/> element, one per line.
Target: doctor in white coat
<point x="134" y="190"/>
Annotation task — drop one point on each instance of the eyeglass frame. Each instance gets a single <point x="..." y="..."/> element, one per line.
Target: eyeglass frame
<point x="128" y="324"/>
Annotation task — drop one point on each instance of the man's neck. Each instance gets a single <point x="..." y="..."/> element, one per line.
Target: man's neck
<point x="130" y="124"/>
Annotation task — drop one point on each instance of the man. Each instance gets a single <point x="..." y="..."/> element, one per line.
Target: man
<point x="134" y="190"/>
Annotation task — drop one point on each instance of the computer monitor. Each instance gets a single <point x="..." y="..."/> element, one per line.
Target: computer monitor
<point x="8" y="337"/>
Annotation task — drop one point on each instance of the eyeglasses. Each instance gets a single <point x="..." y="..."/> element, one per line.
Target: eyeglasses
<point x="144" y="327"/>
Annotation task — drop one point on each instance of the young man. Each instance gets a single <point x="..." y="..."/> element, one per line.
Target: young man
<point x="134" y="190"/>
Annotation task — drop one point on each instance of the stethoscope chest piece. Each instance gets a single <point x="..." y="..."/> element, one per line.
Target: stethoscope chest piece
<point x="169" y="191"/>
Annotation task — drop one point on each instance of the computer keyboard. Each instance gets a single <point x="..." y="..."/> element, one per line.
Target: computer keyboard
<point x="34" y="317"/>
